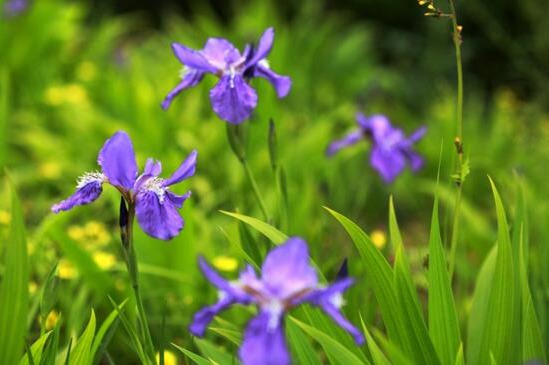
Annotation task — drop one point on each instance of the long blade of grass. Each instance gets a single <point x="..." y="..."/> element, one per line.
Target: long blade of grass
<point x="105" y="333"/>
<point x="14" y="292"/>
<point x="81" y="354"/>
<point x="194" y="357"/>
<point x="36" y="350"/>
<point x="266" y="229"/>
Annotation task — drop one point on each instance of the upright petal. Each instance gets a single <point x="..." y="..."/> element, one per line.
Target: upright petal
<point x="388" y="162"/>
<point x="233" y="100"/>
<point x="348" y="140"/>
<point x="192" y="59"/>
<point x="184" y="171"/>
<point x="89" y="188"/>
<point x="220" y="53"/>
<point x="263" y="47"/>
<point x="190" y="78"/>
<point x="158" y="216"/>
<point x="262" y="344"/>
<point x="377" y="125"/>
<point x="330" y="300"/>
<point x="117" y="159"/>
<point x="282" y="84"/>
<point x="152" y="167"/>
<point x="287" y="271"/>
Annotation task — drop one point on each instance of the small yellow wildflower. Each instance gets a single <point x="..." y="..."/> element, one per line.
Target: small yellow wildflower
<point x="50" y="170"/>
<point x="51" y="320"/>
<point x="169" y="358"/>
<point x="379" y="238"/>
<point x="104" y="260"/>
<point x="76" y="94"/>
<point x="5" y="218"/>
<point x="225" y="263"/>
<point x="33" y="287"/>
<point x="86" y="71"/>
<point x="54" y="96"/>
<point x="66" y="270"/>
<point x="76" y="233"/>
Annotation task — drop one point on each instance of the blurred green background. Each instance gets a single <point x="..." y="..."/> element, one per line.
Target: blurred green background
<point x="72" y="73"/>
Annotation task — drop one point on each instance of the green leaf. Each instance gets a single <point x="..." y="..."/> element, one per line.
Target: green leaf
<point x="301" y="346"/>
<point x="500" y="335"/>
<point x="14" y="288"/>
<point x="214" y="353"/>
<point x="443" y="318"/>
<point x="415" y="329"/>
<point x="267" y="230"/>
<point x="393" y="351"/>
<point x="459" y="356"/>
<point x="81" y="354"/>
<point x="105" y="333"/>
<point x="377" y="355"/>
<point x="332" y="347"/>
<point x="194" y="357"/>
<point x="36" y="350"/>
<point x="381" y="277"/>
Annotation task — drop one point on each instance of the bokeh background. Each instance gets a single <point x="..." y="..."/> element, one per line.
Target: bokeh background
<point x="74" y="72"/>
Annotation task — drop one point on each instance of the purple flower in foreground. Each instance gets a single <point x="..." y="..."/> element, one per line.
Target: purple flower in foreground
<point x="155" y="205"/>
<point x="15" y="7"/>
<point x="391" y="149"/>
<point x="232" y="98"/>
<point x="287" y="280"/>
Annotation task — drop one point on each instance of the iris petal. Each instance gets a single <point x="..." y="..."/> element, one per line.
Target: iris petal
<point x="287" y="271"/>
<point x="233" y="100"/>
<point x="159" y="219"/>
<point x="220" y="53"/>
<point x="282" y="84"/>
<point x="184" y="171"/>
<point x="190" y="79"/>
<point x="262" y="344"/>
<point x="84" y="194"/>
<point x="117" y="159"/>
<point x="348" y="140"/>
<point x="389" y="163"/>
<point x="192" y="59"/>
<point x="263" y="47"/>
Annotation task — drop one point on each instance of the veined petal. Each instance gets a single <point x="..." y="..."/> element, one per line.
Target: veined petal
<point x="330" y="300"/>
<point x="157" y="215"/>
<point x="190" y="79"/>
<point x="192" y="59"/>
<point x="263" y="47"/>
<point x="177" y="200"/>
<point x="287" y="271"/>
<point x="184" y="171"/>
<point x="117" y="159"/>
<point x="282" y="84"/>
<point x="220" y="53"/>
<point x="346" y="141"/>
<point x="262" y="344"/>
<point x="88" y="189"/>
<point x="389" y="163"/>
<point x="233" y="100"/>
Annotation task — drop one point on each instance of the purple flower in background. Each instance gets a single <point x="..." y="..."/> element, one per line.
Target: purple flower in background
<point x="232" y="98"/>
<point x="287" y="280"/>
<point x="15" y="7"/>
<point x="155" y="205"/>
<point x="391" y="149"/>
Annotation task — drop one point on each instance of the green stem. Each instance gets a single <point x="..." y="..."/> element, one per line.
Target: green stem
<point x="459" y="137"/>
<point x="133" y="271"/>
<point x="257" y="193"/>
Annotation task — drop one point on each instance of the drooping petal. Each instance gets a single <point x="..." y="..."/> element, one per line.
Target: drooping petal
<point x="415" y="160"/>
<point x="117" y="159"/>
<point x="157" y="216"/>
<point x="220" y="53"/>
<point x="286" y="269"/>
<point x="204" y="317"/>
<point x="262" y="344"/>
<point x="233" y="100"/>
<point x="388" y="162"/>
<point x="190" y="78"/>
<point x="282" y="84"/>
<point x="330" y="300"/>
<point x="89" y="188"/>
<point x="177" y="200"/>
<point x="263" y="47"/>
<point x="192" y="59"/>
<point x="184" y="171"/>
<point x="348" y="140"/>
<point x="213" y="277"/>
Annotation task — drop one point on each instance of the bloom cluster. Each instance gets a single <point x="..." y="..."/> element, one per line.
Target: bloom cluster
<point x="287" y="280"/>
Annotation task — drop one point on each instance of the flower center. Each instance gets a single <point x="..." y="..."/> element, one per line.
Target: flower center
<point x="154" y="184"/>
<point x="90" y="177"/>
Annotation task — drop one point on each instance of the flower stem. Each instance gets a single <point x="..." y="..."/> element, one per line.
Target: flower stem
<point x="133" y="272"/>
<point x="253" y="183"/>
<point x="459" y="137"/>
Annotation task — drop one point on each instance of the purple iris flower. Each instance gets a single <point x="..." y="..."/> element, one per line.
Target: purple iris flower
<point x="391" y="149"/>
<point x="15" y="7"/>
<point x="232" y="98"/>
<point x="287" y="280"/>
<point x="155" y="205"/>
